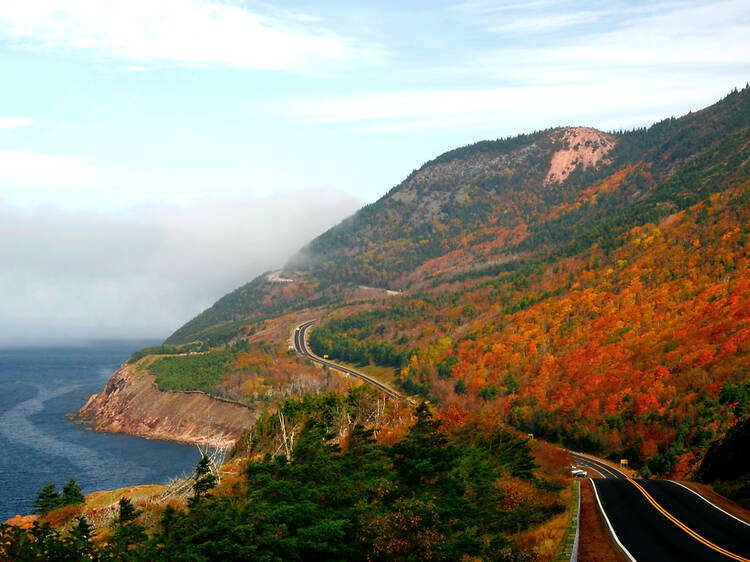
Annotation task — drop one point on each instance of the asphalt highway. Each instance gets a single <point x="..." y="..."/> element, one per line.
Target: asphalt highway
<point x="661" y="520"/>
<point x="651" y="520"/>
<point x="300" y="346"/>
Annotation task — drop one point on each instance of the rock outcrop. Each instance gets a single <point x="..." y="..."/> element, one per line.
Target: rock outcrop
<point x="583" y="146"/>
<point x="132" y="403"/>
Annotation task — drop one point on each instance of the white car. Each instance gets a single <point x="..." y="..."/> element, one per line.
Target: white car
<point x="579" y="472"/>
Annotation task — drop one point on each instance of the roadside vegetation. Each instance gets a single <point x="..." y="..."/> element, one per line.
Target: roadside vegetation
<point x="337" y="489"/>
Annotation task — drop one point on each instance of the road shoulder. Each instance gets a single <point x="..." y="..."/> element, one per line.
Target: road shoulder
<point x="595" y="542"/>
<point x="719" y="501"/>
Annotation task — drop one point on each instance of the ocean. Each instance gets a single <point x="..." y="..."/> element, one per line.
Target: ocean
<point x="38" y="444"/>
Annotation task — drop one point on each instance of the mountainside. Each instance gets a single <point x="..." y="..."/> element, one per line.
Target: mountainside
<point x="496" y="202"/>
<point x="585" y="286"/>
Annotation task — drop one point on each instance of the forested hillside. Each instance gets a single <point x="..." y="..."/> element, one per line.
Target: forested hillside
<point x="494" y="204"/>
<point x="589" y="287"/>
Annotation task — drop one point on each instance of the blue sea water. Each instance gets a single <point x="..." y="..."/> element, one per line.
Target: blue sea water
<point x="38" y="444"/>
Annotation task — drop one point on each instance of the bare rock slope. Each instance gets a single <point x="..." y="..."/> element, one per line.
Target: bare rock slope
<point x="132" y="403"/>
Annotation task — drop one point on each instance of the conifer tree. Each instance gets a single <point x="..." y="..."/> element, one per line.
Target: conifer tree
<point x="204" y="480"/>
<point x="48" y="498"/>
<point x="79" y="542"/>
<point x="71" y="494"/>
<point x="127" y="533"/>
<point x="128" y="512"/>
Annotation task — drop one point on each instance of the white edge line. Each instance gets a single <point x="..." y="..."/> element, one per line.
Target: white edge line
<point x="611" y="529"/>
<point x="711" y="503"/>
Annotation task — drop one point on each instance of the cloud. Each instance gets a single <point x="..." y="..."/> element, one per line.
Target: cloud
<point x="201" y="32"/>
<point x="532" y="107"/>
<point x="141" y="275"/>
<point x="620" y="39"/>
<point x="14" y="122"/>
<point x="626" y="69"/>
<point x="509" y="18"/>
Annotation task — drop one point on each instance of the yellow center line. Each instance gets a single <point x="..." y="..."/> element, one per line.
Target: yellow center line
<point x="684" y="527"/>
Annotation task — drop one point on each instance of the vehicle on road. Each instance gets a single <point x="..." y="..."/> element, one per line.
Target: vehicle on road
<point x="579" y="472"/>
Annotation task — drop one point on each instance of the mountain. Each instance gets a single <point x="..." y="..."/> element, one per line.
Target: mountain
<point x="556" y="191"/>
<point x="588" y="287"/>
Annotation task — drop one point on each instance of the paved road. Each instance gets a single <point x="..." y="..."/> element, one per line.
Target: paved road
<point x="300" y="346"/>
<point x="661" y="520"/>
<point x="604" y="469"/>
<point x="651" y="520"/>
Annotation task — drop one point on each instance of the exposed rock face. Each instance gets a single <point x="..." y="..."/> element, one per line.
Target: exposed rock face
<point x="132" y="403"/>
<point x="439" y="185"/>
<point x="582" y="145"/>
<point x="468" y="169"/>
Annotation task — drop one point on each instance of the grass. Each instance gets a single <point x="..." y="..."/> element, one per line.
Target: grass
<point x="565" y="544"/>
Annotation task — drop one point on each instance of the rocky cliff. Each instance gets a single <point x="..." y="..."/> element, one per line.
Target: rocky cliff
<point x="132" y="403"/>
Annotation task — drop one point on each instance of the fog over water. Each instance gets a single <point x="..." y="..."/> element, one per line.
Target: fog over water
<point x="71" y="276"/>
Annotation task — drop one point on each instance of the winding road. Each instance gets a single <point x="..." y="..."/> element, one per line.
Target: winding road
<point x="650" y="520"/>
<point x="662" y="520"/>
<point x="300" y="346"/>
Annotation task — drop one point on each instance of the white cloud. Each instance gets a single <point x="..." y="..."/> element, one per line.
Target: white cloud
<point x="182" y="31"/>
<point x="510" y="18"/>
<point x="530" y="107"/>
<point x="14" y="122"/>
<point x="654" y="61"/>
<point x="625" y="37"/>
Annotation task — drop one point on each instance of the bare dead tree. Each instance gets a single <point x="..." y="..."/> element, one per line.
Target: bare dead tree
<point x="283" y="435"/>
<point x="215" y="448"/>
<point x="216" y="456"/>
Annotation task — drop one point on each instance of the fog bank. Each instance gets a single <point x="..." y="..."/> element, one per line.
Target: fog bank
<point x="80" y="276"/>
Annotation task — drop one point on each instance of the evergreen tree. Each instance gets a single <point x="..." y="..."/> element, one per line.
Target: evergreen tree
<point x="127" y="533"/>
<point x="128" y="512"/>
<point x="71" y="494"/>
<point x="79" y="541"/>
<point x="47" y="499"/>
<point x="205" y="480"/>
<point x="429" y="490"/>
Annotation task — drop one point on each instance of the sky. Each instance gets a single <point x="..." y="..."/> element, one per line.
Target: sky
<point x="156" y="154"/>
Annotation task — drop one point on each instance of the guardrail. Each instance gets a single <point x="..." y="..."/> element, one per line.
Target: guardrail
<point x="568" y="549"/>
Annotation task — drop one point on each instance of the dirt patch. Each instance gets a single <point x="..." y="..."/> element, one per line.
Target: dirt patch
<point x="595" y="543"/>
<point x="720" y="501"/>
